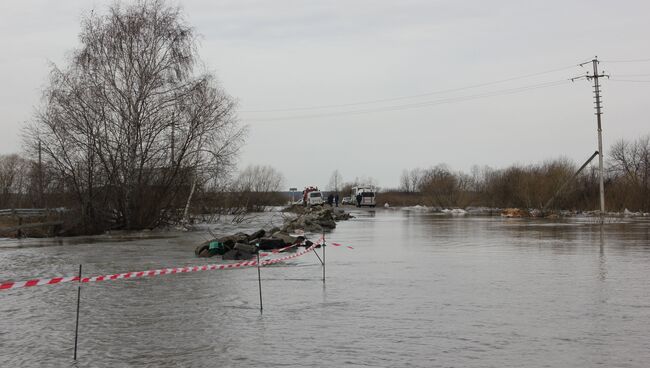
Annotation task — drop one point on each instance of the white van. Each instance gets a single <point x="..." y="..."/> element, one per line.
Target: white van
<point x="314" y="198"/>
<point x="363" y="196"/>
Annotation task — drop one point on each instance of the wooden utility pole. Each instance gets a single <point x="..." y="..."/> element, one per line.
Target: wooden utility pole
<point x="599" y="112"/>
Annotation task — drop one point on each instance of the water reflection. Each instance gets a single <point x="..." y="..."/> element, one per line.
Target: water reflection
<point x="418" y="289"/>
<point x="602" y="262"/>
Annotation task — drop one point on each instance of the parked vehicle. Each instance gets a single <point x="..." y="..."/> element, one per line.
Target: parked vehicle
<point x="312" y="196"/>
<point x="346" y="200"/>
<point x="315" y="198"/>
<point x="364" y="196"/>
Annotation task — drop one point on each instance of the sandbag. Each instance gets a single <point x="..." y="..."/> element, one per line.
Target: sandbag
<point x="271" y="243"/>
<point x="200" y="248"/>
<point x="256" y="235"/>
<point x="216" y="247"/>
<point x="248" y="248"/>
<point x="205" y="253"/>
<point x="286" y="238"/>
<point x="235" y="255"/>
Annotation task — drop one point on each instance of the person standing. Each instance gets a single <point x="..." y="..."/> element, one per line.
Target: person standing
<point x="330" y="199"/>
<point x="336" y="199"/>
<point x="359" y="199"/>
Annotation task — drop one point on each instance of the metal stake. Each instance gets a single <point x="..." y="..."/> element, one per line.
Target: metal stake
<point x="317" y="256"/>
<point x="259" y="278"/>
<point x="76" y="329"/>
<point x="323" y="257"/>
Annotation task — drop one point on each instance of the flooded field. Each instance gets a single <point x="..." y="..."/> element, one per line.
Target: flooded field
<point x="417" y="290"/>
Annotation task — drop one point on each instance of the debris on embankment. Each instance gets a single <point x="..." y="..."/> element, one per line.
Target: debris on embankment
<point x="314" y="219"/>
<point x="238" y="246"/>
<point x="517" y="212"/>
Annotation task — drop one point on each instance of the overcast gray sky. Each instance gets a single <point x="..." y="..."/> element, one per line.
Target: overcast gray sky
<point x="298" y="56"/>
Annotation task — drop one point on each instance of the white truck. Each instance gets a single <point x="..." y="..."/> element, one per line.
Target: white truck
<point x="314" y="198"/>
<point x="363" y="196"/>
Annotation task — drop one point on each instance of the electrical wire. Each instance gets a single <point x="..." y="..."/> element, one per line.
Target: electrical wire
<point x="431" y="102"/>
<point x="368" y="102"/>
<point x="629" y="80"/>
<point x="626" y="61"/>
<point x="508" y="91"/>
<point x="632" y="75"/>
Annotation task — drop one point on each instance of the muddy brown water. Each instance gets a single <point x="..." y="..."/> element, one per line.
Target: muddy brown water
<point x="417" y="290"/>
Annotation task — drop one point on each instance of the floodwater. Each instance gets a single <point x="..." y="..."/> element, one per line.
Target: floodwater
<point x="417" y="290"/>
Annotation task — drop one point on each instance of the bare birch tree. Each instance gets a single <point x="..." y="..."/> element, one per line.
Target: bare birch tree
<point x="129" y="122"/>
<point x="257" y="186"/>
<point x="630" y="163"/>
<point x="336" y="181"/>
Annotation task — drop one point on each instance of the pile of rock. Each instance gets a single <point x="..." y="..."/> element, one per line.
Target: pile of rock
<point x="243" y="246"/>
<point x="315" y="219"/>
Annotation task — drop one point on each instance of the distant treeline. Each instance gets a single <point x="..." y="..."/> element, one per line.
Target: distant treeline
<point x="627" y="184"/>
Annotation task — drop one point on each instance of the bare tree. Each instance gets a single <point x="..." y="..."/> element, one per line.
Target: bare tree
<point x="404" y="183"/>
<point x="410" y="180"/>
<point x="15" y="183"/>
<point x="259" y="178"/>
<point x="129" y="124"/>
<point x="257" y="186"/>
<point x="440" y="185"/>
<point x="336" y="181"/>
<point x="630" y="163"/>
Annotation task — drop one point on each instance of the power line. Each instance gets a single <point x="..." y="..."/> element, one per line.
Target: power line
<point x="633" y="75"/>
<point x="629" y="80"/>
<point x="410" y="96"/>
<point x="626" y="61"/>
<point x="419" y="104"/>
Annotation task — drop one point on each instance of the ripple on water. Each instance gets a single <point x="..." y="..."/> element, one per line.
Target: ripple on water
<point x="417" y="290"/>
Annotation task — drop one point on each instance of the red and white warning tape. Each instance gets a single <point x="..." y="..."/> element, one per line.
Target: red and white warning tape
<point x="339" y="244"/>
<point x="164" y="271"/>
<point x="37" y="282"/>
